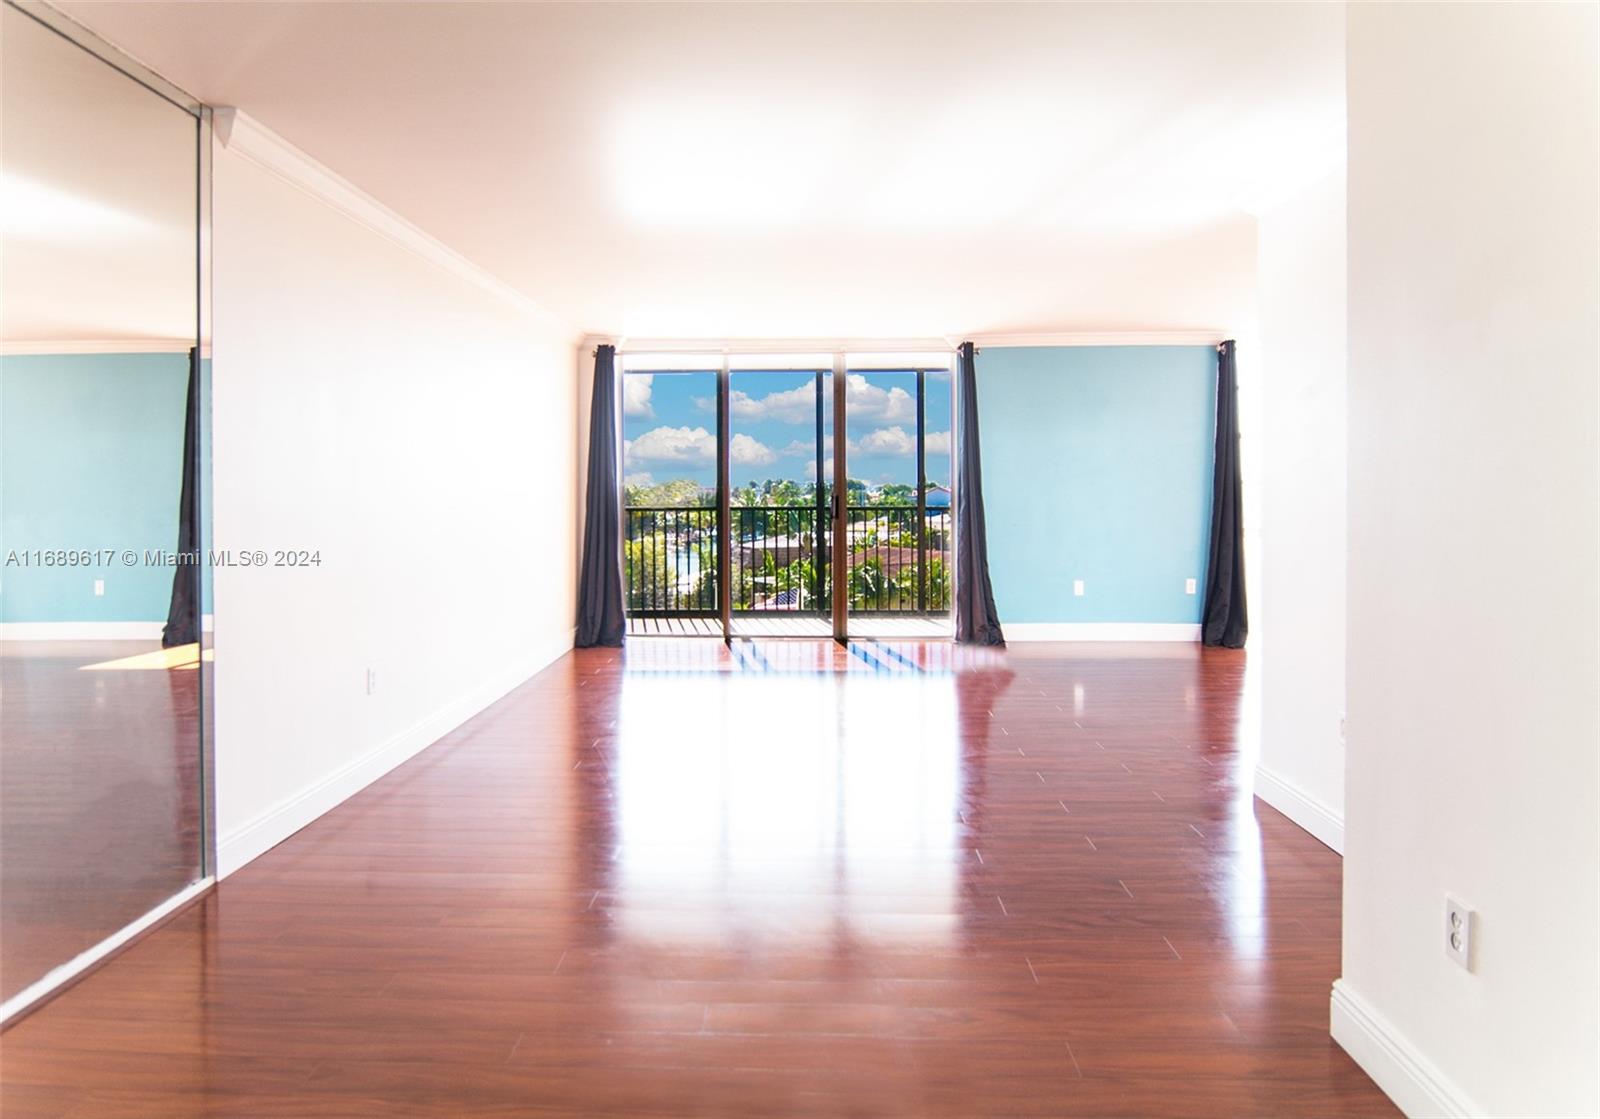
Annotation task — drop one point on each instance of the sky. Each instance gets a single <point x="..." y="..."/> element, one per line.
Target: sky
<point x="669" y="426"/>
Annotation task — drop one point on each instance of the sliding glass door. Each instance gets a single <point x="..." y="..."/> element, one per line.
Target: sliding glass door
<point x="780" y="532"/>
<point x="732" y="523"/>
<point x="671" y="523"/>
<point x="897" y="512"/>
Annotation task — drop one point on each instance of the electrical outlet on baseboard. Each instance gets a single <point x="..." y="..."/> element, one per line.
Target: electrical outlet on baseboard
<point x="372" y="680"/>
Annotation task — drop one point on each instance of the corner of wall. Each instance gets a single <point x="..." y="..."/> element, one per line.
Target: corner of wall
<point x="1324" y="822"/>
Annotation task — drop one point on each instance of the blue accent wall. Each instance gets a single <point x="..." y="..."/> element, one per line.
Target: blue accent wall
<point x="1097" y="466"/>
<point x="91" y="456"/>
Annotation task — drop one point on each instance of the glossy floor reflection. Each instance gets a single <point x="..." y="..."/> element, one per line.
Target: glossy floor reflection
<point x="100" y="794"/>
<point x="781" y="878"/>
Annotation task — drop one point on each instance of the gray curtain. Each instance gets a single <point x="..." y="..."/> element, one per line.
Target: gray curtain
<point x="1224" y="621"/>
<point x="977" y="622"/>
<point x="600" y="619"/>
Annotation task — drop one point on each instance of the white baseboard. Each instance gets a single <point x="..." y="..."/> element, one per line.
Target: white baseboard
<point x="81" y="631"/>
<point x="1406" y="1076"/>
<point x="288" y="816"/>
<point x="60" y="976"/>
<point x="1300" y="806"/>
<point x="1100" y="631"/>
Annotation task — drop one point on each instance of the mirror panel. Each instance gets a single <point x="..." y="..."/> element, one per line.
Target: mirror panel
<point x="104" y="448"/>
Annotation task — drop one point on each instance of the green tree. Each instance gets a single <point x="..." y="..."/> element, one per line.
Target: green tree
<point x="895" y="493"/>
<point x="868" y="585"/>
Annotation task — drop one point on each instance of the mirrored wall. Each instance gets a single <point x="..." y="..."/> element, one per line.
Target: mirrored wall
<point x="104" y="503"/>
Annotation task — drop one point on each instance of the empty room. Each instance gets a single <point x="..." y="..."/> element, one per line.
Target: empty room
<point x="799" y="559"/>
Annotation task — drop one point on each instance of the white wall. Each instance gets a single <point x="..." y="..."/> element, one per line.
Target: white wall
<point x="1474" y="625"/>
<point x="413" y="425"/>
<point x="1300" y="615"/>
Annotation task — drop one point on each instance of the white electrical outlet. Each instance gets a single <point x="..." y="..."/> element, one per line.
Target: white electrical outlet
<point x="1077" y="587"/>
<point x="99" y="588"/>
<point x="372" y="680"/>
<point x="1458" y="932"/>
<point x="1189" y="586"/>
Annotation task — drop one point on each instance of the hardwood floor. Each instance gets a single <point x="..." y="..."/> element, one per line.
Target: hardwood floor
<point x="100" y="802"/>
<point x="779" y="879"/>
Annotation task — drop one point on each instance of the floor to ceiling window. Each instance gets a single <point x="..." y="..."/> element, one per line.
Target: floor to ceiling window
<point x="732" y="523"/>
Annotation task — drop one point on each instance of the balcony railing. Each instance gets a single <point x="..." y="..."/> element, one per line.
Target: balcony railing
<point x="669" y="560"/>
<point x="781" y="560"/>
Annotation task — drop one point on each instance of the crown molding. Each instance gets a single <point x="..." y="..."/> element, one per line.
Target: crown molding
<point x="242" y="135"/>
<point x="1101" y="338"/>
<point x="99" y="346"/>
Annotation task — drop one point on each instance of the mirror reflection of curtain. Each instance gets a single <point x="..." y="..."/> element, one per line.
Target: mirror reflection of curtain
<point x="183" y="615"/>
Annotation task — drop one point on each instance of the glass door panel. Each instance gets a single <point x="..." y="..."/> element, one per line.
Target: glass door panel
<point x="898" y="502"/>
<point x="670" y="523"/>
<point x="780" y="440"/>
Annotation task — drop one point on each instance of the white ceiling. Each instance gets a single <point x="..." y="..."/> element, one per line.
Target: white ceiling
<point x="799" y="170"/>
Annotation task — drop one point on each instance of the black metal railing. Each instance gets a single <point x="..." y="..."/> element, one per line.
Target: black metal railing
<point x="780" y="559"/>
<point x="669" y="560"/>
<point x="899" y="561"/>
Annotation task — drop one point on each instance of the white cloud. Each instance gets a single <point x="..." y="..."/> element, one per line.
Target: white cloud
<point x="791" y="406"/>
<point x="640" y="478"/>
<point x="693" y="445"/>
<point x="636" y="389"/>
<point x="743" y="450"/>
<point x="801" y="448"/>
<point x="882" y="441"/>
<point x="887" y="441"/>
<point x="865" y="401"/>
<point x="671" y="444"/>
<point x="894" y="440"/>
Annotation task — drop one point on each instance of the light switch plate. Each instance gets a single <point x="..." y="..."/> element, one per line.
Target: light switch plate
<point x="1077" y="587"/>
<point x="1458" y="931"/>
<point x="1188" y="586"/>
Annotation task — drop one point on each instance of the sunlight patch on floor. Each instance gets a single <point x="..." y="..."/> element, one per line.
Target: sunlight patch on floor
<point x="177" y="657"/>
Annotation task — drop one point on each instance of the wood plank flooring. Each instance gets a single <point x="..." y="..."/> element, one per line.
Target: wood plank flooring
<point x="773" y="879"/>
